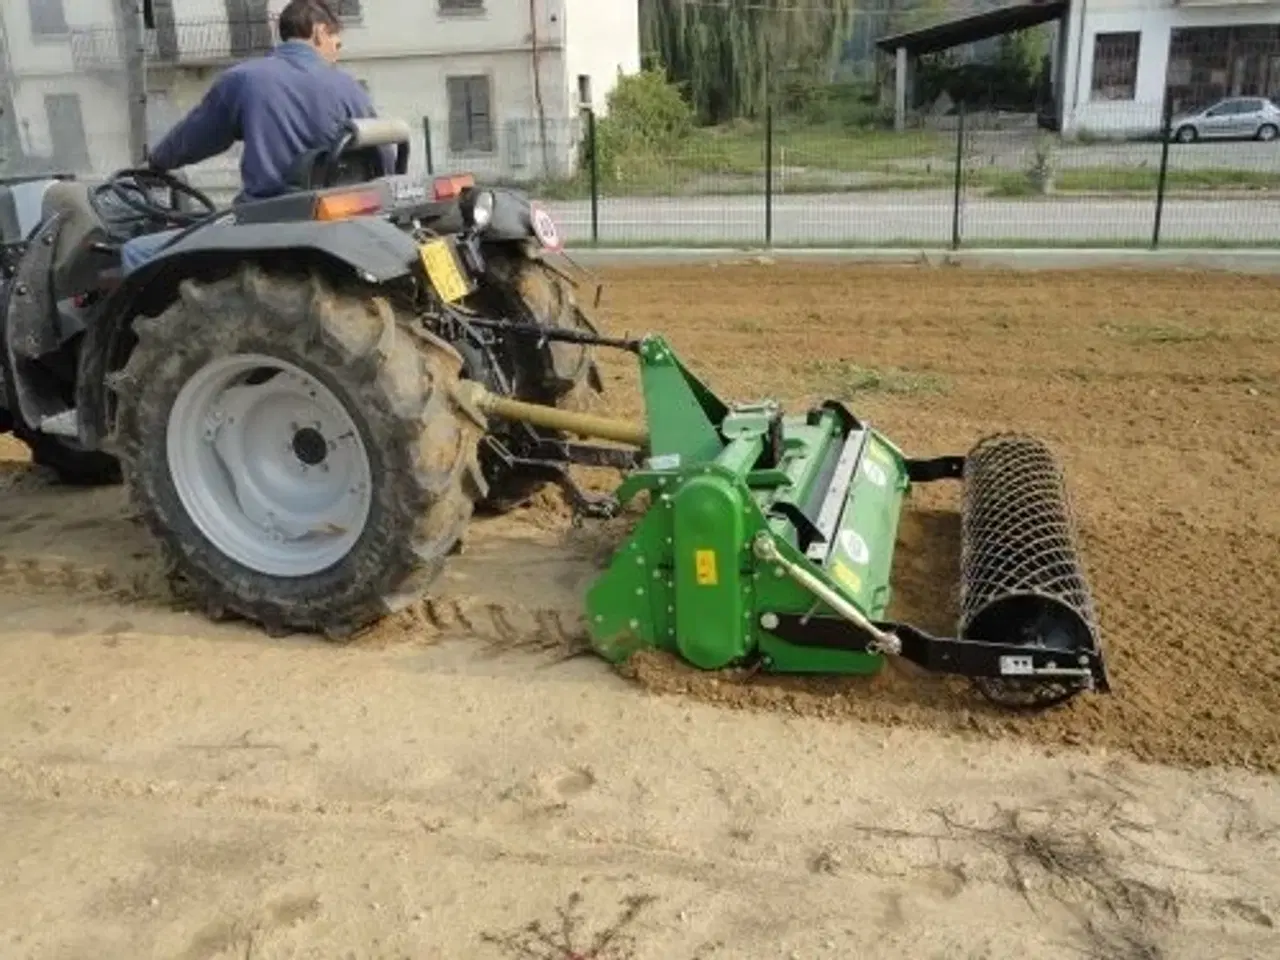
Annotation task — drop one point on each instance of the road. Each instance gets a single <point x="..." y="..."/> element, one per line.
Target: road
<point x="917" y="217"/>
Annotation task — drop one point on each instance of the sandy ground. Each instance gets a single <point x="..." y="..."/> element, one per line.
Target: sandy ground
<point x="459" y="783"/>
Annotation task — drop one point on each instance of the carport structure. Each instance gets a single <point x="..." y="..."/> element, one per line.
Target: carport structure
<point x="970" y="28"/>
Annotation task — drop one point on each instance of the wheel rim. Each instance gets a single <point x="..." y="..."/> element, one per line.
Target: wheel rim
<point x="1268" y="133"/>
<point x="269" y="465"/>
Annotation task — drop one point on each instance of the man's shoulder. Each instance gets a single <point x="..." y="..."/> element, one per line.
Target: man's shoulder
<point x="236" y="74"/>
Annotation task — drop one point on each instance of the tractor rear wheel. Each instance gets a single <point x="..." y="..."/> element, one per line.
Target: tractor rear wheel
<point x="559" y="374"/>
<point x="296" y="450"/>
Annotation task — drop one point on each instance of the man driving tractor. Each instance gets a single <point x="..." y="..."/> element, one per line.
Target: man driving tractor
<point x="281" y="106"/>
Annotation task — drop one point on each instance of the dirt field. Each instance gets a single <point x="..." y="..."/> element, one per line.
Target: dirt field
<point x="176" y="788"/>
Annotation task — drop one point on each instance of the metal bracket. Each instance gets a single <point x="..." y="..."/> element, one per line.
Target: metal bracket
<point x="938" y="468"/>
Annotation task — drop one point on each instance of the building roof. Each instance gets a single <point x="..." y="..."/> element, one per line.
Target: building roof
<point x="975" y="27"/>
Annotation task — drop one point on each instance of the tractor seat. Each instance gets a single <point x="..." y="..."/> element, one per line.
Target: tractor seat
<point x="353" y="167"/>
<point x="353" y="156"/>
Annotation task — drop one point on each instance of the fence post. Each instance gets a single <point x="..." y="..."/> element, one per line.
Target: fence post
<point x="593" y="174"/>
<point x="1165" y="124"/>
<point x="768" y="175"/>
<point x="426" y="143"/>
<point x="959" y="185"/>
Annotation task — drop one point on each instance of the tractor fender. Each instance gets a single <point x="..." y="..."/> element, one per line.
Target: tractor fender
<point x="30" y="329"/>
<point x="374" y="249"/>
<point x="369" y="245"/>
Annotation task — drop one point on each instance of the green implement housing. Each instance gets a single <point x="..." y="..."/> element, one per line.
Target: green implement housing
<point x="768" y="542"/>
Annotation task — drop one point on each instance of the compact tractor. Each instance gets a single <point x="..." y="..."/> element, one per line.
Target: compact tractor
<point x="309" y="396"/>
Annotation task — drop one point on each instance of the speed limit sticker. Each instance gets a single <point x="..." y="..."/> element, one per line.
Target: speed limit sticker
<point x="544" y="228"/>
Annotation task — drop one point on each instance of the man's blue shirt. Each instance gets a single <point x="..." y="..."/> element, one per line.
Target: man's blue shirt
<point x="280" y="105"/>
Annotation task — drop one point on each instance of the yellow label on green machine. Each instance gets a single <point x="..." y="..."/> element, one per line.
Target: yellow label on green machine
<point x="846" y="577"/>
<point x="704" y="566"/>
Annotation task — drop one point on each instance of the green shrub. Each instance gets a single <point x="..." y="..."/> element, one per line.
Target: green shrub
<point x="648" y="126"/>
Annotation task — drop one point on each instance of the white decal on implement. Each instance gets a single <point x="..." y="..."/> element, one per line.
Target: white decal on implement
<point x="854" y="547"/>
<point x="875" y="473"/>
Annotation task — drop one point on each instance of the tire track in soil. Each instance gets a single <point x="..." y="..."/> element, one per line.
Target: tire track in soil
<point x="514" y="586"/>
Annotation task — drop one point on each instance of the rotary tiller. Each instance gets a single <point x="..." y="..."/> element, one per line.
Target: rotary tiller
<point x="769" y="538"/>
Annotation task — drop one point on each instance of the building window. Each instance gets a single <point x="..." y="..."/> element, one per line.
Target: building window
<point x="470" y="122"/>
<point x="48" y="19"/>
<point x="1115" y="65"/>
<point x="350" y="10"/>
<point x="66" y="131"/>
<point x="448" y="7"/>
<point x="584" y="90"/>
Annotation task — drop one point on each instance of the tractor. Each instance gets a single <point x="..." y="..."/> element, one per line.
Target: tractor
<point x="275" y="387"/>
<point x="308" y="397"/>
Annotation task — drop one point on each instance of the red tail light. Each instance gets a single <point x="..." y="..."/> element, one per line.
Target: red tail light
<point x="450" y="188"/>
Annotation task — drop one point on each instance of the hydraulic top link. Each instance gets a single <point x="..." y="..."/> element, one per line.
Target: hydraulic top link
<point x="563" y="335"/>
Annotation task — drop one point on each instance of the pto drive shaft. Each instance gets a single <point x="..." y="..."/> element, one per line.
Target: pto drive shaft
<point x="472" y="394"/>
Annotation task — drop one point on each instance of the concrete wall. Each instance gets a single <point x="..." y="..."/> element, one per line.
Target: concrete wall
<point x="395" y="29"/>
<point x="1156" y="20"/>
<point x="404" y="50"/>
<point x="603" y="40"/>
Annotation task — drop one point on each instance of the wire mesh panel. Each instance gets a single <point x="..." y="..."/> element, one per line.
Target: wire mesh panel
<point x="1027" y="186"/>
<point x="1223" y="181"/>
<point x="701" y="186"/>
<point x="864" y="185"/>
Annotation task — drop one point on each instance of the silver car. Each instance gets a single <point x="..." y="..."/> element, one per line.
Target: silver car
<point x="1231" y="118"/>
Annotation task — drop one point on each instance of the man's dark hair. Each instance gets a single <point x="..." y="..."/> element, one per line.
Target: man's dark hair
<point x="299" y="19"/>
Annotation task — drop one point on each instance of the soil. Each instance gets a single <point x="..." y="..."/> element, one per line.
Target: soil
<point x="1159" y="392"/>
<point x="462" y="781"/>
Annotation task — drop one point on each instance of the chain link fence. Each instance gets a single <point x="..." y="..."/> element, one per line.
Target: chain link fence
<point x="975" y="179"/>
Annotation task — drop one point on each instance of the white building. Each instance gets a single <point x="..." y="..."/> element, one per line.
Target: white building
<point x="499" y="84"/>
<point x="1114" y="62"/>
<point x="1123" y="56"/>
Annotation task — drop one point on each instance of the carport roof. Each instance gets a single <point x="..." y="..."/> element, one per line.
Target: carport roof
<point x="975" y="27"/>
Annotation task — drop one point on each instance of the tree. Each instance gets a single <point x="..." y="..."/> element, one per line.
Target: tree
<point x="727" y="55"/>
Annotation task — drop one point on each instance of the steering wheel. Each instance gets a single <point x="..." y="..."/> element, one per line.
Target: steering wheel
<point x="134" y="189"/>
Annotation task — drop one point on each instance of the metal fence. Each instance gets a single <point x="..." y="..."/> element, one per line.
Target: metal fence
<point x="948" y="181"/>
<point x="951" y="182"/>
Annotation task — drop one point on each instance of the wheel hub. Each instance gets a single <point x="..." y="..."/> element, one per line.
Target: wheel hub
<point x="269" y="465"/>
<point x="310" y="446"/>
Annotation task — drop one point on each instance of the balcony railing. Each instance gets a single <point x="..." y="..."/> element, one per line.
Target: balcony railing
<point x="194" y="43"/>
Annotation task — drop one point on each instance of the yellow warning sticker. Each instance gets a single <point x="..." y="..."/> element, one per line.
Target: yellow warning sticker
<point x="704" y="567"/>
<point x="877" y="452"/>
<point x="846" y="577"/>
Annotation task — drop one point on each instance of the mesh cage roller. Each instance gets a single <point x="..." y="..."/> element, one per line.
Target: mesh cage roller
<point x="1021" y="580"/>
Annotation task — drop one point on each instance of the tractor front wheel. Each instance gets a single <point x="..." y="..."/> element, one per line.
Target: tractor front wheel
<point x="296" y="450"/>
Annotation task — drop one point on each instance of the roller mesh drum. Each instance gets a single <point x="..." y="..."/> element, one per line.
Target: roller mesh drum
<point x="1021" y="579"/>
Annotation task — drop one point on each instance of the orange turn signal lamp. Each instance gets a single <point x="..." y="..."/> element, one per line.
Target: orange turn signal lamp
<point x="450" y="188"/>
<point x="359" y="203"/>
<point x="340" y="206"/>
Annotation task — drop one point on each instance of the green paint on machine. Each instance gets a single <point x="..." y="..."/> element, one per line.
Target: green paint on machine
<point x="769" y="543"/>
<point x="687" y="579"/>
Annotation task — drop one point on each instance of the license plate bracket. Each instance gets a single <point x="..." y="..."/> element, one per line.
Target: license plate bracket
<point x="444" y="270"/>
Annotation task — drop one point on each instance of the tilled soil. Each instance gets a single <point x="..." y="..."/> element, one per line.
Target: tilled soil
<point x="1160" y="392"/>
